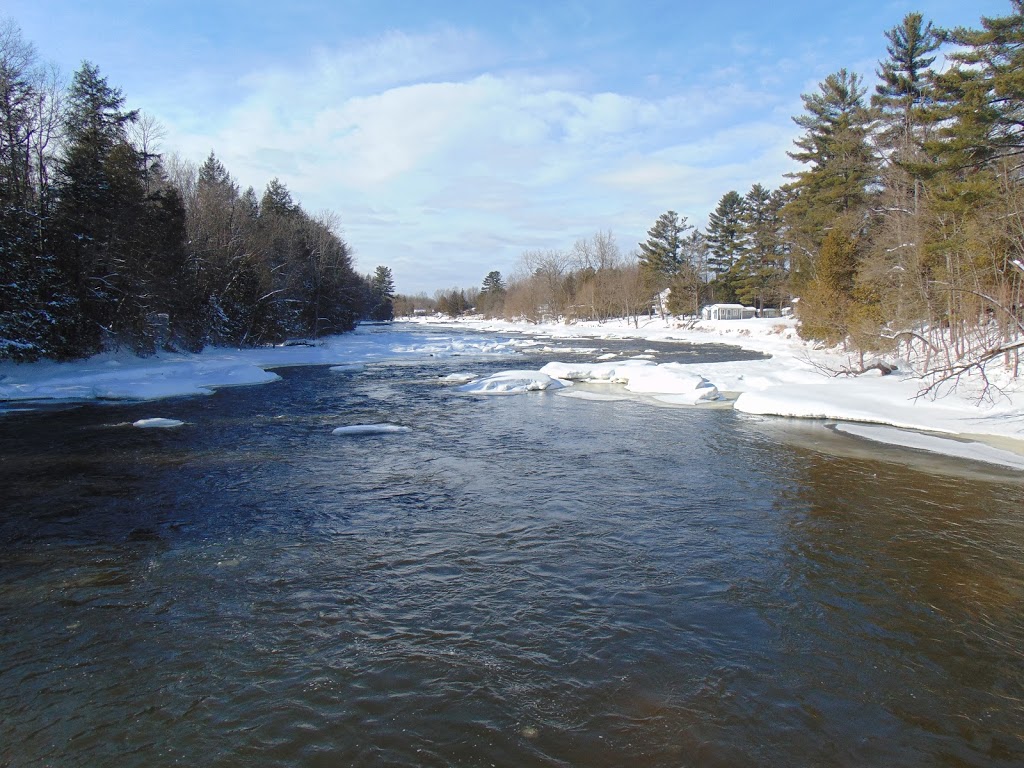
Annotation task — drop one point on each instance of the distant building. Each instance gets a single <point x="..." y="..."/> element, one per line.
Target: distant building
<point x="727" y="312"/>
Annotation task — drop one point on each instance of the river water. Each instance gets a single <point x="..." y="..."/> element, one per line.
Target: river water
<point x="521" y="580"/>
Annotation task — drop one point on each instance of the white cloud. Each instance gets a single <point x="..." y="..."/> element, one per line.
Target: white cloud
<point x="444" y="171"/>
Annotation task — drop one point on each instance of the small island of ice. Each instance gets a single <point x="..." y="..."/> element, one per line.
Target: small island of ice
<point x="513" y="382"/>
<point x="676" y="383"/>
<point x="157" y="423"/>
<point x="370" y="429"/>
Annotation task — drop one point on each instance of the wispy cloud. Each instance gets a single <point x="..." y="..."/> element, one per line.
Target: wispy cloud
<point x="449" y="168"/>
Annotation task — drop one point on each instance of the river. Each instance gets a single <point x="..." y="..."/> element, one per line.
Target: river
<point x="517" y="581"/>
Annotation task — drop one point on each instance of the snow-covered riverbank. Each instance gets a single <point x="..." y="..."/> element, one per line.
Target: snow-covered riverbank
<point x="793" y="382"/>
<point x="797" y="382"/>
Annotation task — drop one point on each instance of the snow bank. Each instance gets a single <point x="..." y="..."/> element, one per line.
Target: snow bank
<point x="794" y="382"/>
<point x="370" y="429"/>
<point x="126" y="377"/>
<point x="513" y="382"/>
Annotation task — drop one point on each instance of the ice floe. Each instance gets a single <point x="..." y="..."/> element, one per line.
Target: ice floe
<point x="641" y="377"/>
<point x="157" y="423"/>
<point x="513" y="382"/>
<point x="370" y="429"/>
<point x="461" y="377"/>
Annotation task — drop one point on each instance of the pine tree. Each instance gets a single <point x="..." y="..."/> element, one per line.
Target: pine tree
<point x="382" y="293"/>
<point x="661" y="255"/>
<point x="724" y="233"/>
<point x="981" y="98"/>
<point x="762" y="269"/>
<point x="841" y="166"/>
<point x="95" y="192"/>
<point x="904" y="92"/>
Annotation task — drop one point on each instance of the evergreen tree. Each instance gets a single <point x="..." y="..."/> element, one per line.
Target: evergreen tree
<point x="725" y="233"/>
<point x="825" y="305"/>
<point x="382" y="292"/>
<point x="981" y="98"/>
<point x="903" y="93"/>
<point x="762" y="269"/>
<point x="95" y="191"/>
<point x="661" y="255"/>
<point x="840" y="163"/>
<point x="493" y="284"/>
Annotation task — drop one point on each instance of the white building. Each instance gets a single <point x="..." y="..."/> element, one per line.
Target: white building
<point x="727" y="312"/>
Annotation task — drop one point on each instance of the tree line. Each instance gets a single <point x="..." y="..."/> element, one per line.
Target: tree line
<point x="104" y="244"/>
<point x="904" y="224"/>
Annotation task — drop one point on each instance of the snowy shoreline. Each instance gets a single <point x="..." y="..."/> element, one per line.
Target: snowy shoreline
<point x="792" y="382"/>
<point x="795" y="382"/>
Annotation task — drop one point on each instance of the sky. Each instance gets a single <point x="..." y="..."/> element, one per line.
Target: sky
<point x="451" y="136"/>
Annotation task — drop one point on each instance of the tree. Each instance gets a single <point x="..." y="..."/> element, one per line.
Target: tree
<point x="689" y="287"/>
<point x="29" y="286"/>
<point x="661" y="255"/>
<point x="492" y="294"/>
<point x="96" y="190"/>
<point x="724" y="233"/>
<point x="824" y="307"/>
<point x="840" y="164"/>
<point x="493" y="283"/>
<point x="382" y="291"/>
<point x="762" y="269"/>
<point x="981" y="97"/>
<point x="904" y="91"/>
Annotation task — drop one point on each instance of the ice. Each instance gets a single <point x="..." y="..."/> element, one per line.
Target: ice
<point x="350" y="368"/>
<point x="157" y="423"/>
<point x="934" y="444"/>
<point x="458" y="378"/>
<point x="513" y="382"/>
<point x="370" y="429"/>
<point x="641" y="377"/>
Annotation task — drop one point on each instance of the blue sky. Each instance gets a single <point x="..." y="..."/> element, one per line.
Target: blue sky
<point x="449" y="137"/>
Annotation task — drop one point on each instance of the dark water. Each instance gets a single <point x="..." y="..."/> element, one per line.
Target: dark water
<point x="526" y="580"/>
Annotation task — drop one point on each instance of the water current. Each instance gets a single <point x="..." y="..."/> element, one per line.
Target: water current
<point x="530" y="580"/>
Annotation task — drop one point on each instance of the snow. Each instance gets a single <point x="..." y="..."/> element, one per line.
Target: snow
<point x="962" y="449"/>
<point x="641" y="377"/>
<point x="125" y="377"/>
<point x="796" y="381"/>
<point x="157" y="423"/>
<point x="461" y="377"/>
<point x="512" y="383"/>
<point x="793" y="382"/>
<point x="370" y="429"/>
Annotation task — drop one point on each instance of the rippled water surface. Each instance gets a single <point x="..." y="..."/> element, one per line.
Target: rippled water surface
<point x="522" y="580"/>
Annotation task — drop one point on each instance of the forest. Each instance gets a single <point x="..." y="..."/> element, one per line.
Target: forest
<point x="106" y="245"/>
<point x="903" y="225"/>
